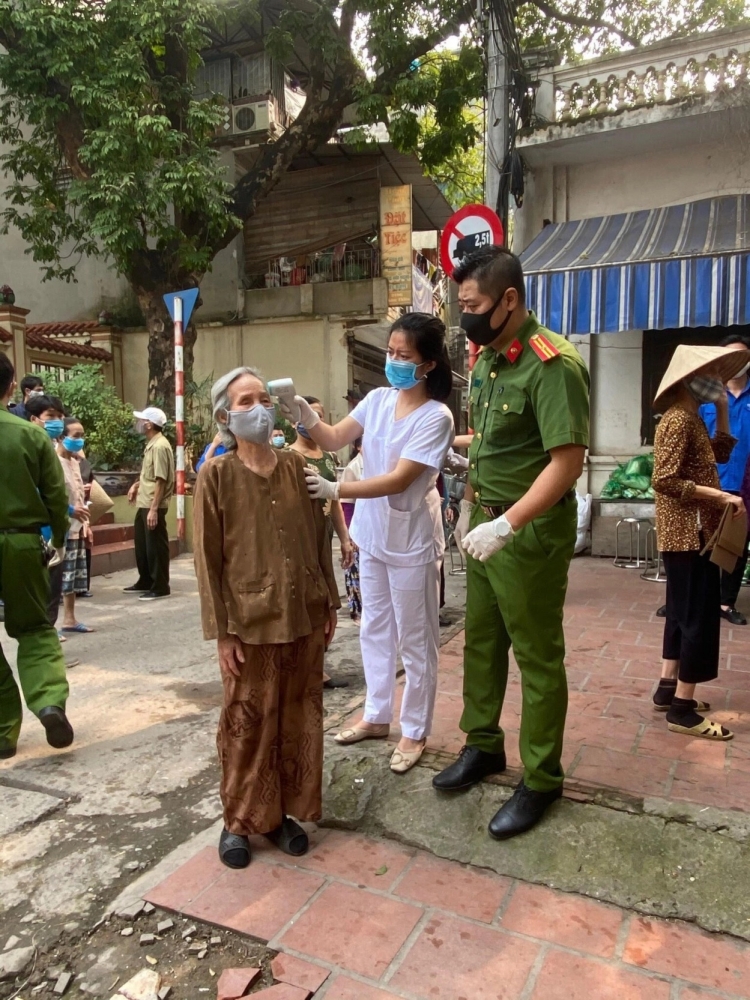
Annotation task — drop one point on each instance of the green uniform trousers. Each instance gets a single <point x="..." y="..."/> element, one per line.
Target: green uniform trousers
<point x="516" y="599"/>
<point x="24" y="588"/>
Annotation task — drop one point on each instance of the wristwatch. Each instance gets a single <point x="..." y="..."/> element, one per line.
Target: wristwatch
<point x="502" y="527"/>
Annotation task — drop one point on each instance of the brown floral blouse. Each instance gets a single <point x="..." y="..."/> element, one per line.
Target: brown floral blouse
<point x="685" y="457"/>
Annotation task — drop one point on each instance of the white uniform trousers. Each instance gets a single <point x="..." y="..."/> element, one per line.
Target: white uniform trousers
<point x="400" y="614"/>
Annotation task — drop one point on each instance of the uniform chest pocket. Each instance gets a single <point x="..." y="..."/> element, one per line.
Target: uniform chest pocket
<point x="510" y="412"/>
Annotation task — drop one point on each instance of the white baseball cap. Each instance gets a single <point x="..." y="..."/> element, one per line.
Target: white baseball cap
<point x="153" y="414"/>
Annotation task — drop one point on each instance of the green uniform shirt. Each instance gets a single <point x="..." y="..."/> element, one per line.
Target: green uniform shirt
<point x="520" y="406"/>
<point x="34" y="492"/>
<point x="158" y="463"/>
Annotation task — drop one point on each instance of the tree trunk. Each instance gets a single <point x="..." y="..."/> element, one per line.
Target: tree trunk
<point x="161" y="366"/>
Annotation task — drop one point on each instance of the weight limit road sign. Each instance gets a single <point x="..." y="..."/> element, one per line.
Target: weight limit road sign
<point x="469" y="229"/>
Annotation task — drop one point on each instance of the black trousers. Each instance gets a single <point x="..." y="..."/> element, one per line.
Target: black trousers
<point x="731" y="582"/>
<point x="152" y="552"/>
<point x="693" y="625"/>
<point x="55" y="593"/>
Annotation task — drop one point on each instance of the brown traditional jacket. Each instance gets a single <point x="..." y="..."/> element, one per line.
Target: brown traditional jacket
<point x="262" y="552"/>
<point x="685" y="457"/>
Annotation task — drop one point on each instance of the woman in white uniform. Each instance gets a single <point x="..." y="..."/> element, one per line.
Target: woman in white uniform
<point x="407" y="431"/>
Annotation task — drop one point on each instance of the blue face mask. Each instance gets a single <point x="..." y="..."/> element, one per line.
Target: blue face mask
<point x="303" y="432"/>
<point x="54" y="428"/>
<point x="401" y="374"/>
<point x="278" y="440"/>
<point x="73" y="444"/>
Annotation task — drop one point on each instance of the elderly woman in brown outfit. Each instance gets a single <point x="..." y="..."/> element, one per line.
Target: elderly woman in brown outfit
<point x="269" y="598"/>
<point x="689" y="504"/>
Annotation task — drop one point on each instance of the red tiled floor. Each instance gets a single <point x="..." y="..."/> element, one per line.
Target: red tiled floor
<point x="189" y="881"/>
<point x="565" y="919"/>
<point x="571" y="977"/>
<point x="639" y="775"/>
<point x="343" y="988"/>
<point x="349" y="856"/>
<point x="449" y="886"/>
<point x="707" y="786"/>
<point x="258" y="900"/>
<point x="357" y="930"/>
<point x="453" y="958"/>
<point x="697" y="751"/>
<point x="679" y="950"/>
<point x="296" y="972"/>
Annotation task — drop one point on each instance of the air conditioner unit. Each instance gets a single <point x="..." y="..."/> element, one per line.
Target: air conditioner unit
<point x="256" y="117"/>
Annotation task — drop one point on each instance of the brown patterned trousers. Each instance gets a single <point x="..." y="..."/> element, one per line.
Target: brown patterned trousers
<point x="270" y="738"/>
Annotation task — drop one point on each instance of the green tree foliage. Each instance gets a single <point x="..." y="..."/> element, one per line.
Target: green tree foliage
<point x="111" y="441"/>
<point x="110" y="154"/>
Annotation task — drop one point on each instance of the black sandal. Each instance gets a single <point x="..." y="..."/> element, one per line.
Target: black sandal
<point x="234" y="850"/>
<point x="290" y="838"/>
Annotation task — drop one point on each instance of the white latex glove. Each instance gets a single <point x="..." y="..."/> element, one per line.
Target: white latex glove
<point x="488" y="538"/>
<point x="320" y="488"/>
<point x="456" y="462"/>
<point x="462" y="526"/>
<point x="299" y="412"/>
<point x="57" y="558"/>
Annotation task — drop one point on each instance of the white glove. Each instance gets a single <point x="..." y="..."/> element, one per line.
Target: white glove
<point x="57" y="558"/>
<point x="456" y="462"/>
<point x="320" y="488"/>
<point x="462" y="525"/>
<point x="299" y="411"/>
<point x="488" y="538"/>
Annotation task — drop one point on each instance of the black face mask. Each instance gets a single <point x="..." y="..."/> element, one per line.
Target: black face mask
<point x="477" y="325"/>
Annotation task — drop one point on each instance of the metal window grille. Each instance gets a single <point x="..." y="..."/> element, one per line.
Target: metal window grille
<point x="214" y="78"/>
<point x="325" y="266"/>
<point x="252" y="76"/>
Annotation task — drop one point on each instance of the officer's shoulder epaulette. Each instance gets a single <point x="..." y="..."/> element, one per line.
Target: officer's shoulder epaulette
<point x="544" y="349"/>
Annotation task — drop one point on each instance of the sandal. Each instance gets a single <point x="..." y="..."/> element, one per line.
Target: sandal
<point x="706" y="729"/>
<point x="289" y="838"/>
<point x="78" y="627"/>
<point x="404" y="760"/>
<point x="234" y="850"/>
<point x="356" y="735"/>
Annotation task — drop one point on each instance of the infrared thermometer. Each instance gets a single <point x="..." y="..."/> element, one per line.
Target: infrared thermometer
<point x="283" y="389"/>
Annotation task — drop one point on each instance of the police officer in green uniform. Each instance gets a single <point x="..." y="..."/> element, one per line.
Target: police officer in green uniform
<point x="529" y="407"/>
<point x="33" y="495"/>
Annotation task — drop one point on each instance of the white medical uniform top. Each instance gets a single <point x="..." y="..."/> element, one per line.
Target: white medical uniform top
<point x="405" y="529"/>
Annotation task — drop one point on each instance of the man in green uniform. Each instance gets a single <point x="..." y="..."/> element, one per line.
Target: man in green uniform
<point x="529" y="407"/>
<point x="33" y="495"/>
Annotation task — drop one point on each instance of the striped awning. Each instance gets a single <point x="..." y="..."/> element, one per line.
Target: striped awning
<point x="682" y="266"/>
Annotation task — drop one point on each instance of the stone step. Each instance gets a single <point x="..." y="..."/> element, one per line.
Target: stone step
<point x="116" y="556"/>
<point x="108" y="534"/>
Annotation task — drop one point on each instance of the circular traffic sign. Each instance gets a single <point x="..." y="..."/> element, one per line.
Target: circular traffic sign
<point x="470" y="228"/>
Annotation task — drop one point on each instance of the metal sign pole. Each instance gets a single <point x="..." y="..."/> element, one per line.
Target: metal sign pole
<point x="179" y="406"/>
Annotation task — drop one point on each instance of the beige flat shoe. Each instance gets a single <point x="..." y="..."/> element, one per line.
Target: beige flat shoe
<point x="356" y="734"/>
<point x="706" y="730"/>
<point x="404" y="760"/>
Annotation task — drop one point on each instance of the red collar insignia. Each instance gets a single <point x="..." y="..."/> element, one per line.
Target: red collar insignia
<point x="514" y="351"/>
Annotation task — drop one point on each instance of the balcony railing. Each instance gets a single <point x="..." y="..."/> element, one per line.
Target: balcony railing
<point x="330" y="265"/>
<point x="661" y="74"/>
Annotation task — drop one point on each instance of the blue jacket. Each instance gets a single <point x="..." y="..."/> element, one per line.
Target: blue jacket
<point x="732" y="472"/>
<point x="220" y="450"/>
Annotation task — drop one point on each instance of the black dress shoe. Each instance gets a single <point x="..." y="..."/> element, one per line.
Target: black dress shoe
<point x="135" y="589"/>
<point x="662" y="611"/>
<point x="234" y="850"/>
<point x="472" y="765"/>
<point x="7" y="752"/>
<point x="523" y="810"/>
<point x="59" y="730"/>
<point x="733" y="616"/>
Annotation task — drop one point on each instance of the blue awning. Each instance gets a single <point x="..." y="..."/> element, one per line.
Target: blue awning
<point x="685" y="265"/>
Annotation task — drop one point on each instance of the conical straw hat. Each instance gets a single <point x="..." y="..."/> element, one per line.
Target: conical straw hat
<point x="687" y="360"/>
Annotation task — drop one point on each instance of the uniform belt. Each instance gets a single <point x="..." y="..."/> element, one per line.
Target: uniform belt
<point x="20" y="531"/>
<point x="496" y="510"/>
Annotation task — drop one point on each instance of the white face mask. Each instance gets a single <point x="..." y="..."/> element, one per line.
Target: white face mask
<point x="255" y="424"/>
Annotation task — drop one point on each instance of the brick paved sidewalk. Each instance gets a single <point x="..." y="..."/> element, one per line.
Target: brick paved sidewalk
<point x="613" y="736"/>
<point x="362" y="919"/>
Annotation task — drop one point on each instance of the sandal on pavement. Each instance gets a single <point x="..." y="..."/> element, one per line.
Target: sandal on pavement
<point x="404" y="760"/>
<point x="356" y="734"/>
<point x="289" y="838"/>
<point x="234" y="850"/>
<point x="699" y="706"/>
<point x="78" y="627"/>
<point x="706" y="729"/>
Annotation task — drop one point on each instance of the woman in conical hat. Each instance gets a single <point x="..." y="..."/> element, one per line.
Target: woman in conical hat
<point x="689" y="504"/>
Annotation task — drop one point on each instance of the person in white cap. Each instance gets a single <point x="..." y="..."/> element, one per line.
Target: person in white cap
<point x="689" y="505"/>
<point x="151" y="496"/>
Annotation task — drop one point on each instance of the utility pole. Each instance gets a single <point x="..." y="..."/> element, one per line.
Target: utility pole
<point x="496" y="126"/>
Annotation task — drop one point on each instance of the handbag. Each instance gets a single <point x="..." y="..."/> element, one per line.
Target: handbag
<point x="729" y="540"/>
<point x="100" y="502"/>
